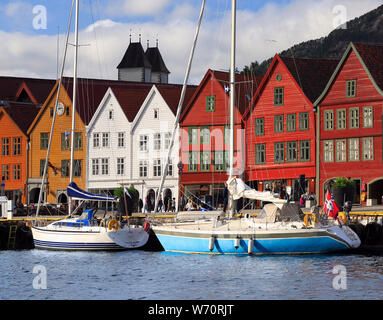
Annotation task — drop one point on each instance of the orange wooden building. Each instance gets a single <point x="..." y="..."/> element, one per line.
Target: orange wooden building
<point x="15" y="119"/>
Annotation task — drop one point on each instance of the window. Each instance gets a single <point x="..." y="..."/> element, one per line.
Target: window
<point x="368" y="117"/>
<point x="193" y="135"/>
<point x="303" y="121"/>
<point x="368" y="148"/>
<point x="77" y="168"/>
<point x="144" y="142"/>
<point x="291" y="122"/>
<point x="341" y="122"/>
<point x="16" y="172"/>
<point x="110" y="115"/>
<point x="42" y="165"/>
<point x="67" y="111"/>
<point x="340" y="150"/>
<point x="278" y="96"/>
<point x="205" y="161"/>
<point x="259" y="126"/>
<point x="353" y="149"/>
<point x="16" y="146"/>
<point x="95" y="167"/>
<point x="157" y="167"/>
<point x="156" y="113"/>
<point x="104" y="166"/>
<point x="210" y="103"/>
<point x="328" y="151"/>
<point x="5" y="171"/>
<point x="65" y="168"/>
<point x="278" y="123"/>
<point x="350" y="88"/>
<point x="105" y="139"/>
<point x="304" y="150"/>
<point x="51" y="112"/>
<point x="5" y="146"/>
<point x="64" y="141"/>
<point x="167" y="140"/>
<point x="260" y="153"/>
<point x="204" y="135"/>
<point x="193" y="161"/>
<point x="279" y="152"/>
<point x="219" y="161"/>
<point x="328" y="119"/>
<point x="120" y="166"/>
<point x="121" y="140"/>
<point x="170" y="168"/>
<point x="354" y="118"/>
<point x="96" y="140"/>
<point x="291" y="151"/>
<point x="43" y="140"/>
<point x="143" y="168"/>
<point x="157" y="141"/>
<point x="77" y="141"/>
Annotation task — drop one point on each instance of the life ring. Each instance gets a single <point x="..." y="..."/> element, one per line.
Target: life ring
<point x="113" y="224"/>
<point x="307" y="219"/>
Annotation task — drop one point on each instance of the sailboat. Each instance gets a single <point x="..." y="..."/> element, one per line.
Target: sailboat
<point x="280" y="228"/>
<point x="86" y="232"/>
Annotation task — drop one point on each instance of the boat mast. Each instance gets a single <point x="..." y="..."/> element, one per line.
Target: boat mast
<point x="74" y="102"/>
<point x="54" y="112"/>
<point x="179" y="108"/>
<point x="232" y="95"/>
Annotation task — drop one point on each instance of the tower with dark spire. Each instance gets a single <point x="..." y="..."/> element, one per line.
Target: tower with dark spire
<point x="137" y="65"/>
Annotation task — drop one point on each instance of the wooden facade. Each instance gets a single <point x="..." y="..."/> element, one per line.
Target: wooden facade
<point x="350" y="110"/>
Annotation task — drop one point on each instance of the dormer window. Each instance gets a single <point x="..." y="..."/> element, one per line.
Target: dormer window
<point x="156" y="113"/>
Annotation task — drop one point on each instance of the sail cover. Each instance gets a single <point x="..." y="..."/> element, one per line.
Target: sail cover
<point x="77" y="194"/>
<point x="239" y="189"/>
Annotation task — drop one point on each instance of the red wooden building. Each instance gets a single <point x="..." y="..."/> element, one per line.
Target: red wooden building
<point x="280" y="125"/>
<point x="350" y="111"/>
<point x="204" y="133"/>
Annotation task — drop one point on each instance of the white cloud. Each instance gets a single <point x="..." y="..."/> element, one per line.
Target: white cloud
<point x="136" y="7"/>
<point x="261" y="34"/>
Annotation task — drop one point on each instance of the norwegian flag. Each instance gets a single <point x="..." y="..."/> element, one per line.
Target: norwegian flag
<point x="330" y="206"/>
<point x="227" y="89"/>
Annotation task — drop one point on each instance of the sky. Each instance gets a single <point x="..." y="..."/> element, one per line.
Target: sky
<point x="32" y="32"/>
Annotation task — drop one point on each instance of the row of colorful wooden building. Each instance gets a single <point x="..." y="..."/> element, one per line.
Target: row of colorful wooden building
<point x="298" y="127"/>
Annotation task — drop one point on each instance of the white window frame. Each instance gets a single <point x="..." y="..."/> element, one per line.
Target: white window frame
<point x="340" y="150"/>
<point x="105" y="139"/>
<point x="328" y="151"/>
<point x="353" y="149"/>
<point x="368" y="117"/>
<point x="143" y="142"/>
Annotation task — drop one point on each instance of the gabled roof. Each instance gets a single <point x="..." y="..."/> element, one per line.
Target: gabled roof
<point x="245" y="87"/>
<point x="22" y="114"/>
<point x="134" y="57"/>
<point x="310" y="75"/>
<point x="370" y="57"/>
<point x="37" y="89"/>
<point x="155" y="59"/>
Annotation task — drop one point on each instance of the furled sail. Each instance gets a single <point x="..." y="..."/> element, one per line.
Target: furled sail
<point x="77" y="194"/>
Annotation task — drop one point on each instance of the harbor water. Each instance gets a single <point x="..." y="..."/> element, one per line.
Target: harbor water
<point x="144" y="275"/>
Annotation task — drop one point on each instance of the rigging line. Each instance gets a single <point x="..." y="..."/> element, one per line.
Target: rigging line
<point x="54" y="113"/>
<point x="179" y="108"/>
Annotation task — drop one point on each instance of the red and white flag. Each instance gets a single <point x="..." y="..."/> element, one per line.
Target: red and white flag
<point x="330" y="206"/>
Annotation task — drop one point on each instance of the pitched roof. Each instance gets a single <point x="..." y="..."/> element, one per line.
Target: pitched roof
<point x="134" y="57"/>
<point x="311" y="75"/>
<point x="172" y="95"/>
<point x="155" y="59"/>
<point x="372" y="56"/>
<point x="11" y="87"/>
<point x="90" y="93"/>
<point x="22" y="114"/>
